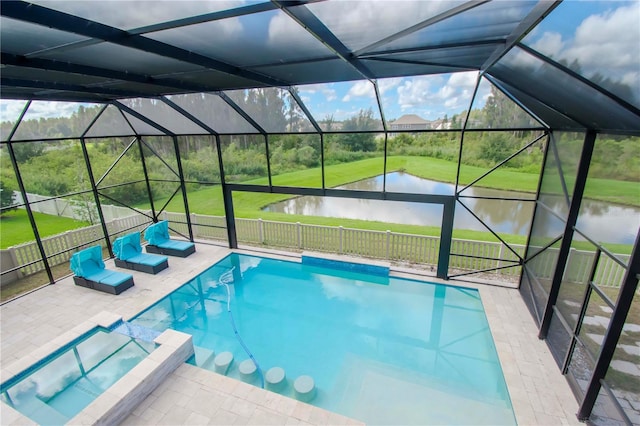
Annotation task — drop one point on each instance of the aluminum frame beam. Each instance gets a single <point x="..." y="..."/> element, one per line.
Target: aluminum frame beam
<point x="310" y="22"/>
<point x="567" y="239"/>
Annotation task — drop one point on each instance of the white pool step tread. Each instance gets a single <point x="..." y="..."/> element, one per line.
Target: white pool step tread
<point x="275" y="379"/>
<point x="204" y="357"/>
<point x="304" y="388"/>
<point x="222" y="362"/>
<point x="247" y="370"/>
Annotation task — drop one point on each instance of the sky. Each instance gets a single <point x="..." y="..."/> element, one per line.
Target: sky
<point x="430" y="97"/>
<point x="574" y="32"/>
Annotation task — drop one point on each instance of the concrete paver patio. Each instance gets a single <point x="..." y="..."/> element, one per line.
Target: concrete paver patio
<point x="540" y="395"/>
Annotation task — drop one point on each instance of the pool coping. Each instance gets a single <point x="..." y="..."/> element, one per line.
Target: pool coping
<point x="117" y="402"/>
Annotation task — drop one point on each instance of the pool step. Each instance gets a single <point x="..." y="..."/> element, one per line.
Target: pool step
<point x="204" y="357"/>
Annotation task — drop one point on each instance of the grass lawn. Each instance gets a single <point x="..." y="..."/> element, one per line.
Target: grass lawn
<point x="15" y="227"/>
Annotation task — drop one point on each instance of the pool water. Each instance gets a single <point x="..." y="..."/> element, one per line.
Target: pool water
<point x="380" y="349"/>
<point x="56" y="390"/>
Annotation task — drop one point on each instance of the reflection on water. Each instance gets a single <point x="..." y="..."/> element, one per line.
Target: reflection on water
<point x="601" y="221"/>
<point x="55" y="392"/>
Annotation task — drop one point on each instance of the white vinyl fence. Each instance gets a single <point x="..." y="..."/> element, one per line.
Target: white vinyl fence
<point x="386" y="245"/>
<point x="399" y="247"/>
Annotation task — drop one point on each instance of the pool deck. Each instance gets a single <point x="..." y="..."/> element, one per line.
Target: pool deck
<point x="191" y="396"/>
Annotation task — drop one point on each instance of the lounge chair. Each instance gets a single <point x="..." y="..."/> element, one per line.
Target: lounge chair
<point x="89" y="270"/>
<point x="129" y="255"/>
<point x="159" y="243"/>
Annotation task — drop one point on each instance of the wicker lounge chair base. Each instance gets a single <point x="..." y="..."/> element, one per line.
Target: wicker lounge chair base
<point x="141" y="267"/>
<point x="157" y="235"/>
<point x="170" y="251"/>
<point x="107" y="288"/>
<point x="89" y="270"/>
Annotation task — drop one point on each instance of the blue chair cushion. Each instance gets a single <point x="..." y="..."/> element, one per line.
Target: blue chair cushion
<point x="98" y="276"/>
<point x="176" y="245"/>
<point x="87" y="262"/>
<point x="157" y="233"/>
<point x="148" y="259"/>
<point x="127" y="246"/>
<point x="114" y="278"/>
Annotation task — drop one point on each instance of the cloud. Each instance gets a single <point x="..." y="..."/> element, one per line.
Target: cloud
<point x="133" y="14"/>
<point x="360" y="89"/>
<point x="38" y="109"/>
<point x="603" y="45"/>
<point x="10" y="109"/>
<point x="433" y="92"/>
<point x="414" y="92"/>
<point x="282" y="29"/>
<point x="550" y="43"/>
<point x="330" y="94"/>
<point x="357" y="23"/>
<point x="325" y="89"/>
<point x="388" y="83"/>
<point x="609" y="39"/>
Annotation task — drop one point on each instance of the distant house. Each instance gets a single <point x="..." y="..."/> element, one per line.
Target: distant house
<point x="409" y="122"/>
<point x="441" y="124"/>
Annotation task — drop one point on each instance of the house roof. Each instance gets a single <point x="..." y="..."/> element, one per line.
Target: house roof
<point x="410" y="119"/>
<point x="101" y="51"/>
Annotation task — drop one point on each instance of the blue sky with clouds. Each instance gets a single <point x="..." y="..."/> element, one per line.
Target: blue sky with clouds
<point x="573" y="33"/>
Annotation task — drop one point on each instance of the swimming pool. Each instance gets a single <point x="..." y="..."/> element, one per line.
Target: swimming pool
<point x="380" y="349"/>
<point x="54" y="390"/>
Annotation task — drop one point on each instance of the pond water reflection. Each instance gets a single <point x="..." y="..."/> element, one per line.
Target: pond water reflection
<point x="601" y="221"/>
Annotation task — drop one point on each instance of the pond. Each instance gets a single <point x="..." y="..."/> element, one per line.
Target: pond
<point x="601" y="221"/>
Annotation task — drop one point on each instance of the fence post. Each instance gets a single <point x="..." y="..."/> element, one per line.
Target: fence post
<point x="299" y="227"/>
<point x="14" y="260"/>
<point x="261" y="231"/>
<point x="388" y="244"/>
<point x="194" y="222"/>
<point x="500" y="254"/>
<point x="68" y="238"/>
<point x="340" y="229"/>
<point x="567" y="268"/>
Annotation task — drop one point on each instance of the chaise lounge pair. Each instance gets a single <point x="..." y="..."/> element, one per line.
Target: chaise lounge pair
<point x="89" y="268"/>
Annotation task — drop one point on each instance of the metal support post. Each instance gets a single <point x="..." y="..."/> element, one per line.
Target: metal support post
<point x="567" y="238"/>
<point x="446" y="234"/>
<point x="183" y="187"/>
<point x="227" y="199"/>
<point x="229" y="216"/>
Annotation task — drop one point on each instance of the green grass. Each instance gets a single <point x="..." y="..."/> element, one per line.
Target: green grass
<point x="15" y="227"/>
